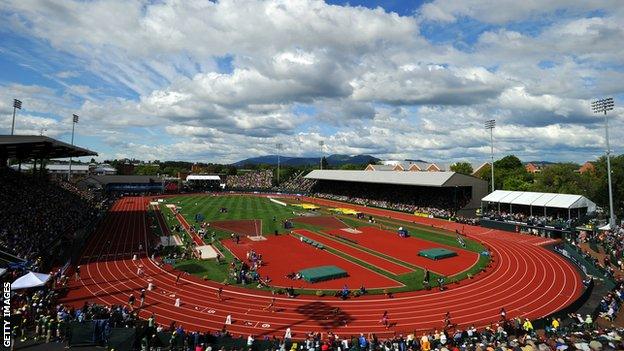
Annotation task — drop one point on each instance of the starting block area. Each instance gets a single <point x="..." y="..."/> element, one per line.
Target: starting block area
<point x="437" y="253"/>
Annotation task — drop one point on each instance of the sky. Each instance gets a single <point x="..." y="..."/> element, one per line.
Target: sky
<point x="220" y="81"/>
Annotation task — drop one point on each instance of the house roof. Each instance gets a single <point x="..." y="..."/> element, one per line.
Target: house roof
<point x="436" y="179"/>
<point x="381" y="167"/>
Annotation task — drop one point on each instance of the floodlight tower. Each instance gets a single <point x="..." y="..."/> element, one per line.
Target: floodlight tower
<point x="278" y="146"/>
<point x="602" y="106"/>
<point x="490" y="124"/>
<point x="321" y="143"/>
<point x="74" y="122"/>
<point x="17" y="104"/>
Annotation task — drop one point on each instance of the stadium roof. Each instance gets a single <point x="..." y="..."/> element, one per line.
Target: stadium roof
<point x="202" y="177"/>
<point x="30" y="146"/>
<point x="528" y="198"/>
<point x="437" y="179"/>
<point x="125" y="179"/>
<point x="55" y="167"/>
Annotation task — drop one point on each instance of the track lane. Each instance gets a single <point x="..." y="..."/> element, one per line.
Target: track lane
<point x="519" y="271"/>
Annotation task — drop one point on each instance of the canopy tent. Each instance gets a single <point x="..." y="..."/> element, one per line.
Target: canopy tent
<point x="203" y="177"/>
<point x="545" y="200"/>
<point x="605" y="227"/>
<point x="30" y="280"/>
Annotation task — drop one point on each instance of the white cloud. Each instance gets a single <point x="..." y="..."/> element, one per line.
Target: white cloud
<point x="502" y="11"/>
<point x="225" y="80"/>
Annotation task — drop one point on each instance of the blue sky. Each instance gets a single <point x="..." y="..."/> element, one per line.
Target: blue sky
<point x="221" y="81"/>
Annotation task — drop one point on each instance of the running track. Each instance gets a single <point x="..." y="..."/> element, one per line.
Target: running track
<point x="526" y="279"/>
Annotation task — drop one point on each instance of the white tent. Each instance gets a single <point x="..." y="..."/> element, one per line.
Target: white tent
<point x="540" y="200"/>
<point x="605" y="227"/>
<point x="30" y="280"/>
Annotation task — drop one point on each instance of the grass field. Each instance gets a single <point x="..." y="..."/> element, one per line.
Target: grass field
<point x="272" y="216"/>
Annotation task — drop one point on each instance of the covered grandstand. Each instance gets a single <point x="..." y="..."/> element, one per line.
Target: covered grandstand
<point x="37" y="148"/>
<point x="539" y="204"/>
<point x="450" y="190"/>
<point x="134" y="184"/>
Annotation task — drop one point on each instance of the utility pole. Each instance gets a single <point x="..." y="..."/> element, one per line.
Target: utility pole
<point x="74" y="121"/>
<point x="17" y="104"/>
<point x="279" y="148"/>
<point x="490" y="124"/>
<point x="321" y="143"/>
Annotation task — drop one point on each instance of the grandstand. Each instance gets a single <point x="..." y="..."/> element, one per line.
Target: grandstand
<point x="449" y="190"/>
<point x="134" y="184"/>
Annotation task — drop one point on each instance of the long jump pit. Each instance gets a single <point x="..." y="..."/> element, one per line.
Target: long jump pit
<point x="206" y="252"/>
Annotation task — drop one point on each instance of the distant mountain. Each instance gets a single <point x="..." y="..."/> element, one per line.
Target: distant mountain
<point x="333" y="160"/>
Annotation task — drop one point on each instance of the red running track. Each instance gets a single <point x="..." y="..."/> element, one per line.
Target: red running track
<point x="528" y="280"/>
<point x="359" y="254"/>
<point x="406" y="250"/>
<point x="286" y="254"/>
<point x="196" y="238"/>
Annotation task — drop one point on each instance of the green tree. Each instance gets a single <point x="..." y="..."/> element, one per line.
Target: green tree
<point x="509" y="173"/>
<point x="352" y="167"/>
<point x="515" y="182"/>
<point x="601" y="191"/>
<point x="462" y="167"/>
<point x="147" y="169"/>
<point x="485" y="173"/>
<point x="559" y="178"/>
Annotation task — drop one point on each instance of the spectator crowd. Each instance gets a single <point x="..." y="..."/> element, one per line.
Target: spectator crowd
<point x="533" y="220"/>
<point x="250" y="180"/>
<point x="38" y="217"/>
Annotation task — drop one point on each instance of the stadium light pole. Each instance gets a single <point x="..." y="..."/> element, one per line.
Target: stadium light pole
<point x="17" y="104"/>
<point x="602" y="106"/>
<point x="490" y="124"/>
<point x="74" y="121"/>
<point x="279" y="148"/>
<point x="321" y="143"/>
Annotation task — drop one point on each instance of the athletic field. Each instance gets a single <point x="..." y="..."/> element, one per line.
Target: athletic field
<point x="373" y="255"/>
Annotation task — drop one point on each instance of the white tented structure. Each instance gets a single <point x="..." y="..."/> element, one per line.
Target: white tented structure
<point x="539" y="204"/>
<point x="203" y="181"/>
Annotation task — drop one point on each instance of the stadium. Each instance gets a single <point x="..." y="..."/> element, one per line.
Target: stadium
<point x="311" y="175"/>
<point x="348" y="255"/>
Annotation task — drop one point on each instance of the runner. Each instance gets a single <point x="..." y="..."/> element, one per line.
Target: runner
<point x="131" y="300"/>
<point x="447" y="320"/>
<point x="220" y="294"/>
<point x="142" y="297"/>
<point x="271" y="306"/>
<point x="385" y="320"/>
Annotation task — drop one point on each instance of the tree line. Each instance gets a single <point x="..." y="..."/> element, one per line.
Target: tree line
<point x="510" y="174"/>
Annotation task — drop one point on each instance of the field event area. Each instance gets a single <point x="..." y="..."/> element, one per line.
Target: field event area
<point x="286" y="235"/>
